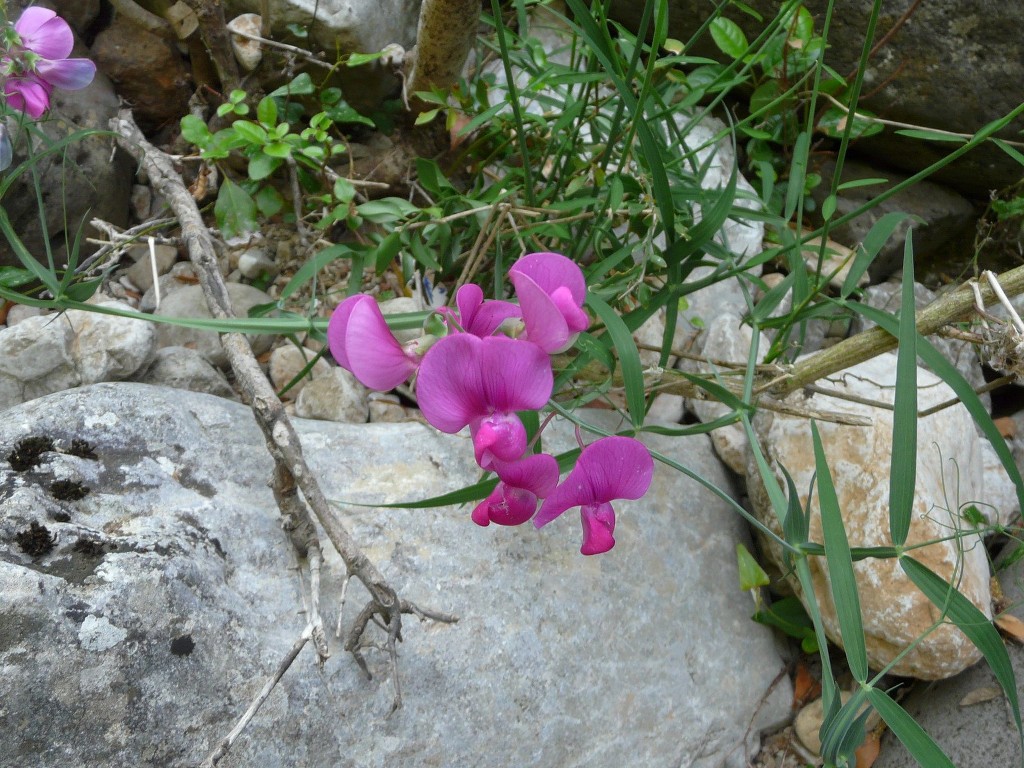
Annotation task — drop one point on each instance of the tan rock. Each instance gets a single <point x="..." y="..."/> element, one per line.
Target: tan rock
<point x="286" y="362"/>
<point x="950" y="475"/>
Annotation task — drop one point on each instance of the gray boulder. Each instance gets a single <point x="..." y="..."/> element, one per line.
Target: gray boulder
<point x="140" y="623"/>
<point x="953" y="67"/>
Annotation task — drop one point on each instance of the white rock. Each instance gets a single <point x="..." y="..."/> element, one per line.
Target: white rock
<point x="336" y="397"/>
<point x="197" y="573"/>
<point x="254" y="263"/>
<point x="108" y="347"/>
<point x="950" y="476"/>
<point x="188" y="301"/>
<point x="185" y="368"/>
<point x="248" y="53"/>
<point x="287" y="361"/>
<point x="141" y="272"/>
<point x="20" y="312"/>
<point x="397" y="306"/>
<point x="36" y="359"/>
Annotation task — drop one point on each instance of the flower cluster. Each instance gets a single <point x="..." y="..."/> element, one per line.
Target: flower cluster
<point x="490" y="360"/>
<point x="36" y="61"/>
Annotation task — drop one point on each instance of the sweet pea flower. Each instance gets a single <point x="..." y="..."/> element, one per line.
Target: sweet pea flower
<point x="523" y="484"/>
<point x="479" y="317"/>
<point x="466" y="380"/>
<point x="361" y="342"/>
<point x="42" y="62"/>
<point x="607" y="469"/>
<point x="551" y="291"/>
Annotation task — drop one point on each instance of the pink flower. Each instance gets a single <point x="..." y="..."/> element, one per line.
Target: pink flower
<point x="479" y="317"/>
<point x="465" y="380"/>
<point x="361" y="342"/>
<point x="551" y="291"/>
<point x="515" y="498"/>
<point x="607" y="469"/>
<point x="42" y="62"/>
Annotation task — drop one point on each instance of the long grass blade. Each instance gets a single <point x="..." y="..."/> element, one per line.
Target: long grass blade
<point x="840" y="564"/>
<point x="903" y="462"/>
<point x="906" y="729"/>
<point x="973" y="623"/>
<point x="629" y="357"/>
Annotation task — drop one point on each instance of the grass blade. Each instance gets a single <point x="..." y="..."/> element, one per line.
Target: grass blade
<point x="840" y="565"/>
<point x="903" y="464"/>
<point x="973" y="623"/>
<point x="629" y="357"/>
<point x="918" y="743"/>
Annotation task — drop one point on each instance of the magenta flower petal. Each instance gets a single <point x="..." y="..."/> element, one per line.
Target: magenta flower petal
<point x="448" y="386"/>
<point x="338" y="325"/>
<point x="68" y="74"/>
<point x="28" y="94"/>
<point x="545" y="323"/>
<point x="515" y="375"/>
<point x="498" y="437"/>
<point x="45" y="33"/>
<point x="607" y="469"/>
<point x="506" y="505"/>
<point x="598" y="527"/>
<point x="479" y="317"/>
<point x="537" y="473"/>
<point x="374" y="354"/>
<point x="552" y="271"/>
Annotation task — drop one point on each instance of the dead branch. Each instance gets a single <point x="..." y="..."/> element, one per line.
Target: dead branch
<point x="216" y="39"/>
<point x="948" y="308"/>
<point x="447" y="29"/>
<point x="292" y="473"/>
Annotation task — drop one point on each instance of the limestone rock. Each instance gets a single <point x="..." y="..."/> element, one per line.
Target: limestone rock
<point x="37" y="359"/>
<point x="185" y="368"/>
<point x="169" y="597"/>
<point x="337" y="396"/>
<point x="188" y="301"/>
<point x="141" y="272"/>
<point x="950" y="475"/>
<point x="108" y="347"/>
<point x="287" y="361"/>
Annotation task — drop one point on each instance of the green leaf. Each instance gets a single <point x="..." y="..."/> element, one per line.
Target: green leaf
<point x="918" y="743"/>
<point x="266" y="111"/>
<point x="876" y="237"/>
<point x="250" y="132"/>
<point x="387" y="250"/>
<point x="629" y="357"/>
<point x="261" y="165"/>
<point x="751" y="574"/>
<point x="1010" y="150"/>
<point x="302" y="85"/>
<point x="195" y="131"/>
<point x="308" y="270"/>
<point x="359" y="59"/>
<point x="84" y="290"/>
<point x="840" y="564"/>
<point x="729" y="37"/>
<point x="903" y="462"/>
<point x="425" y="117"/>
<point x="278" y="149"/>
<point x="926" y="135"/>
<point x="269" y="201"/>
<point x="12" y="277"/>
<point x="235" y="210"/>
<point x="972" y="622"/>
